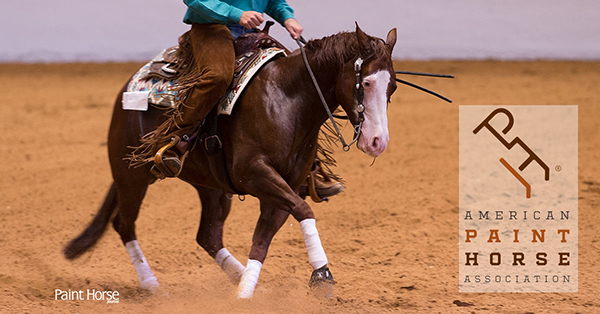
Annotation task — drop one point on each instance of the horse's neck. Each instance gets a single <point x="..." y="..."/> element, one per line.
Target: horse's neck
<point x="312" y="110"/>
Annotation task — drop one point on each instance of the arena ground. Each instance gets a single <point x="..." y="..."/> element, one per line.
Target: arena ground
<point x="391" y="237"/>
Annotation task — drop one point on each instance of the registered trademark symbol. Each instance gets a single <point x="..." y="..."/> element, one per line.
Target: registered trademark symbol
<point x="558" y="168"/>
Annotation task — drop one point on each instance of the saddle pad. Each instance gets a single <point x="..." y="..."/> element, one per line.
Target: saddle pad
<point x="161" y="96"/>
<point x="226" y="104"/>
<point x="158" y="89"/>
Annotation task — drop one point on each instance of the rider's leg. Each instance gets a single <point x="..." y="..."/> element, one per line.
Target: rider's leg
<point x="214" y="55"/>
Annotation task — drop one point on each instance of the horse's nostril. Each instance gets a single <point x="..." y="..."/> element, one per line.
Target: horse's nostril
<point x="375" y="142"/>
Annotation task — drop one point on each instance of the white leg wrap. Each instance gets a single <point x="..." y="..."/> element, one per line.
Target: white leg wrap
<point x="249" y="279"/>
<point x="316" y="254"/>
<point x="230" y="265"/>
<point x="145" y="274"/>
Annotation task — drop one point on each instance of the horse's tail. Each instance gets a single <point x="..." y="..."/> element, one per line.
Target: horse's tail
<point x="94" y="231"/>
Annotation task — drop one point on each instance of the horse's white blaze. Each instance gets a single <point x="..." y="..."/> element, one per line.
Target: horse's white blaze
<point x="230" y="265"/>
<point x="316" y="254"/>
<point x="374" y="135"/>
<point x="145" y="275"/>
<point x="249" y="279"/>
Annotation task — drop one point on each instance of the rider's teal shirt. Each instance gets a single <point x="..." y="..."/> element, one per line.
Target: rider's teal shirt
<point x="230" y="11"/>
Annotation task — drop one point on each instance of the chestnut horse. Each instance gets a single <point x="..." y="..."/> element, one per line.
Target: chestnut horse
<point x="269" y="145"/>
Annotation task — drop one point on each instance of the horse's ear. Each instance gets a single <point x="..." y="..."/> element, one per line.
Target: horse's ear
<point x="362" y="37"/>
<point x="391" y="39"/>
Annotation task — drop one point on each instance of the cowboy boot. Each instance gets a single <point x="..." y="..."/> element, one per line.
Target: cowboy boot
<point x="167" y="163"/>
<point x="325" y="188"/>
<point x="323" y="185"/>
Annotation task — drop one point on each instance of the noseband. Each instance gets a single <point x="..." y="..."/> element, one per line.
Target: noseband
<point x="359" y="93"/>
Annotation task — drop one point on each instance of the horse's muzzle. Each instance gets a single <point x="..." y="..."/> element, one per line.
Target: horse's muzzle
<point x="373" y="145"/>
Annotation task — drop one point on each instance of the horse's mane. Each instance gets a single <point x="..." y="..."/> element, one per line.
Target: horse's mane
<point x="340" y="48"/>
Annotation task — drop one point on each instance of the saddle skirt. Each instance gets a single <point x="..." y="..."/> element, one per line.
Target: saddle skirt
<point x="152" y="84"/>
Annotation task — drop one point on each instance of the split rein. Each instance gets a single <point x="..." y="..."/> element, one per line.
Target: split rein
<point x="359" y="94"/>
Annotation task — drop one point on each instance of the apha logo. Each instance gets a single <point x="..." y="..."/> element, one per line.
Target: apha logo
<point x="532" y="224"/>
<point x="532" y="156"/>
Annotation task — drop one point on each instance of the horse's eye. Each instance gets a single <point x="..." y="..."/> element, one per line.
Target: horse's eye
<point x="367" y="84"/>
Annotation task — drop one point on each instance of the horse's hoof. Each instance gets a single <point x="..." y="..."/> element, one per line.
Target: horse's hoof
<point x="160" y="292"/>
<point x="321" y="275"/>
<point x="150" y="284"/>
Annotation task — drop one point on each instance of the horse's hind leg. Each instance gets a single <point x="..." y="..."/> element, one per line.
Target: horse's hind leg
<point x="126" y="129"/>
<point x="130" y="199"/>
<point x="215" y="208"/>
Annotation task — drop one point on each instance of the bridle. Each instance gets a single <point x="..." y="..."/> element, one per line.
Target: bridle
<point x="359" y="94"/>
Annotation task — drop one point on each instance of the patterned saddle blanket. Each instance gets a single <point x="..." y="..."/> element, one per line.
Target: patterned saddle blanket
<point x="152" y="84"/>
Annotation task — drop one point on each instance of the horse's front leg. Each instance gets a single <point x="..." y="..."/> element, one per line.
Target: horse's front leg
<point x="277" y="201"/>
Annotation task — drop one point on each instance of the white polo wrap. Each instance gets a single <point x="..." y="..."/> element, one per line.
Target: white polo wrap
<point x="316" y="254"/>
<point x="145" y="275"/>
<point x="249" y="279"/>
<point x="230" y="265"/>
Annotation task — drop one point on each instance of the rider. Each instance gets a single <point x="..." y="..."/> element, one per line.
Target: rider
<point x="214" y="25"/>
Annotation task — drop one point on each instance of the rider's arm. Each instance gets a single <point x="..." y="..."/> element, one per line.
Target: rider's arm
<point x="279" y="10"/>
<point x="215" y="11"/>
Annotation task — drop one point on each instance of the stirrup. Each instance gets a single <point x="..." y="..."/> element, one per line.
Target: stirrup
<point x="168" y="167"/>
<point x="312" y="186"/>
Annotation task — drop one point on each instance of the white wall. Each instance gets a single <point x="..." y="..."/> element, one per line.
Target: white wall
<point x="121" y="30"/>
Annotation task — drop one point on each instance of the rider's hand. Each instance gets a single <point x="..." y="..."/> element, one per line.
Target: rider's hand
<point x="293" y="27"/>
<point x="251" y="19"/>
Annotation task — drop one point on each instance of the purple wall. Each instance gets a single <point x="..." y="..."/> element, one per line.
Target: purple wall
<point x="122" y="30"/>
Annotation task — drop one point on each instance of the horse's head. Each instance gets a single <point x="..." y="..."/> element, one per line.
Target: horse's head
<point x="377" y="84"/>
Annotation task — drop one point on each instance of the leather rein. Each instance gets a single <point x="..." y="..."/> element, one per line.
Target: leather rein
<point x="358" y="97"/>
